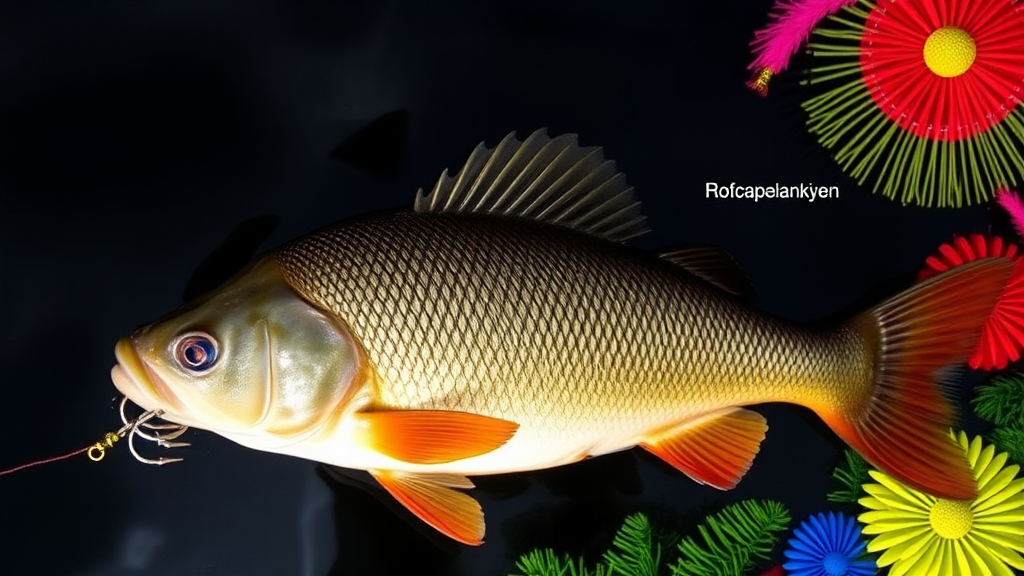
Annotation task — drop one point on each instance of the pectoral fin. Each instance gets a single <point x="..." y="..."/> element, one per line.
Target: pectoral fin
<point x="717" y="451"/>
<point x="433" y="498"/>
<point x="432" y="436"/>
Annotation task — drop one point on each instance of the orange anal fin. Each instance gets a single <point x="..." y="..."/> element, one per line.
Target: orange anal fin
<point x="432" y="436"/>
<point x="717" y="451"/>
<point x="900" y="424"/>
<point x="433" y="499"/>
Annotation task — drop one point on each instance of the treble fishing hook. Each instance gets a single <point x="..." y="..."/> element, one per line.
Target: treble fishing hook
<point x="132" y="428"/>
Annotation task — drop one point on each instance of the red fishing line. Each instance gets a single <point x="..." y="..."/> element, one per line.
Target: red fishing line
<point x="95" y="451"/>
<point x="45" y="461"/>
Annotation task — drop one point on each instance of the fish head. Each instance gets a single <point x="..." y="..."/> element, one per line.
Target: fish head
<point x="249" y="360"/>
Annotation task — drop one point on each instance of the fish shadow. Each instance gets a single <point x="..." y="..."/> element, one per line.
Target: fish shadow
<point x="371" y="525"/>
<point x="376" y="535"/>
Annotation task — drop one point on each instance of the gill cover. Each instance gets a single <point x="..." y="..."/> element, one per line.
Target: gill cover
<point x="251" y="357"/>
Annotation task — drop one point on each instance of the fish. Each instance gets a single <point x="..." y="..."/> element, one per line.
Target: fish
<point x="506" y="324"/>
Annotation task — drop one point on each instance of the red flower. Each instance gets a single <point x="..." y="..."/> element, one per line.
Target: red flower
<point x="922" y="97"/>
<point x="1002" y="338"/>
<point x="946" y="69"/>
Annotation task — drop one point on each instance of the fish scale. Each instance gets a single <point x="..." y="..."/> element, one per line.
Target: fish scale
<point x="545" y="326"/>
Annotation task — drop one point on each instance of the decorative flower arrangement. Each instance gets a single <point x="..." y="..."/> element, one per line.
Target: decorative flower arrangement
<point x="828" y="545"/>
<point x="920" y="97"/>
<point x="922" y="535"/>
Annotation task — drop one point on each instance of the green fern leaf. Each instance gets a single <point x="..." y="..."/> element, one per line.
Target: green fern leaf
<point x="733" y="540"/>
<point x="1001" y="401"/>
<point x="546" y="563"/>
<point x="634" y="551"/>
<point x="1010" y="439"/>
<point x="541" y="563"/>
<point x="852" y="474"/>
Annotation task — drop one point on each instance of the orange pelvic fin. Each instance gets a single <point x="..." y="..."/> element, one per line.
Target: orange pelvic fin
<point x="716" y="451"/>
<point x="900" y="422"/>
<point x="433" y="499"/>
<point x="432" y="436"/>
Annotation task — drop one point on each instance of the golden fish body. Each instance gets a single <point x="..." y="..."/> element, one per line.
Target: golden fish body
<point x="589" y="346"/>
<point x="504" y="326"/>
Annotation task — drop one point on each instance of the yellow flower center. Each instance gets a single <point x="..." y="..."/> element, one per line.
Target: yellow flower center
<point x="951" y="519"/>
<point x="949" y="51"/>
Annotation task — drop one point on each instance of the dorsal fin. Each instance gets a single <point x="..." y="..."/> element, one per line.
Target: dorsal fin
<point x="551" y="180"/>
<point x="713" y="265"/>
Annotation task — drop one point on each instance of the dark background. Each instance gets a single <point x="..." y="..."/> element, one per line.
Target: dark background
<point x="136" y="136"/>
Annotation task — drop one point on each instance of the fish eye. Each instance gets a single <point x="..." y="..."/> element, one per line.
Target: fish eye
<point x="196" y="351"/>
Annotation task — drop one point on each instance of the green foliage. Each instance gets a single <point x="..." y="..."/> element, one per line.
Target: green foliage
<point x="733" y="539"/>
<point x="1011" y="441"/>
<point x="1001" y="402"/>
<point x="852" y="474"/>
<point x="546" y="563"/>
<point x="634" y="551"/>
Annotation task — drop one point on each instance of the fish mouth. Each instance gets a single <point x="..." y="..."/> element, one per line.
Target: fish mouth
<point x="136" y="380"/>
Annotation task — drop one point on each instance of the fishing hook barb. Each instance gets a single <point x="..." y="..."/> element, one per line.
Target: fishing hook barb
<point x="133" y="428"/>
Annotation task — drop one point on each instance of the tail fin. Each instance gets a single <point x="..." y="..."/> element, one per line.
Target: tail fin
<point x="901" y="424"/>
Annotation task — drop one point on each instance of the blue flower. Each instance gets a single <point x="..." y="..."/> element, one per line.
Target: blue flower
<point x="828" y="545"/>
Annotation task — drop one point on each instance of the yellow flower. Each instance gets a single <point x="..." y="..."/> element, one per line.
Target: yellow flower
<point x="922" y="535"/>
